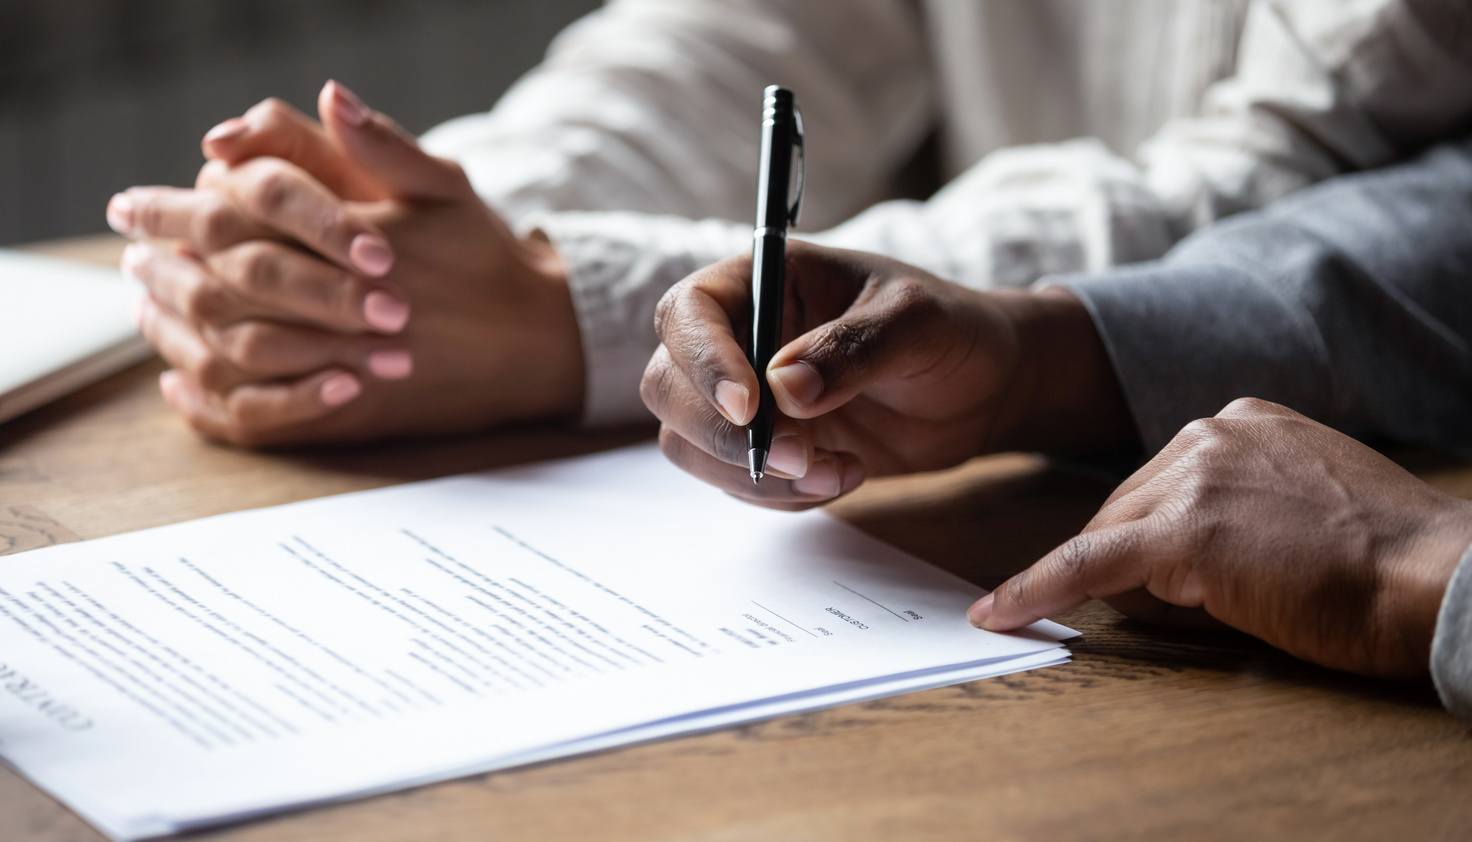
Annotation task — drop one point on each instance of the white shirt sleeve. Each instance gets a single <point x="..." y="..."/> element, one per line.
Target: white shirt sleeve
<point x="653" y="106"/>
<point x="1321" y="87"/>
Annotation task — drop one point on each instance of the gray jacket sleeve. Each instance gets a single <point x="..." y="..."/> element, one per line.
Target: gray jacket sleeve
<point x="1451" y="648"/>
<point x="1350" y="302"/>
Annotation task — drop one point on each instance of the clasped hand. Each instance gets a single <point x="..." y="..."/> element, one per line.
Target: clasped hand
<point x="335" y="282"/>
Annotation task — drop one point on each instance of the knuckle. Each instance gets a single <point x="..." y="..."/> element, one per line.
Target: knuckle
<point x="671" y="445"/>
<point x="669" y="304"/>
<point x="657" y="383"/>
<point x="242" y="423"/>
<point x="454" y="172"/>
<point x="247" y="345"/>
<point x="1072" y="559"/>
<point x="1248" y="407"/>
<point x="211" y="174"/>
<point x="203" y="303"/>
<point x="848" y="341"/>
<point x="270" y="191"/>
<point x="147" y="215"/>
<point x="270" y="110"/>
<point x="911" y="295"/>
<point x="213" y="226"/>
<point x="1016" y="591"/>
<point x="213" y="372"/>
<point x="1203" y="432"/>
<point x="333" y="226"/>
<point x="725" y="442"/>
<point x="341" y="295"/>
<point x="260" y="270"/>
<point x="1194" y="490"/>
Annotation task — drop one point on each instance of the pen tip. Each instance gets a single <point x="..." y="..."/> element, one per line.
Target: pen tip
<point x="756" y="459"/>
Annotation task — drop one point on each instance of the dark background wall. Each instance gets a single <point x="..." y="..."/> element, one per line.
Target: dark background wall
<point x="96" y="95"/>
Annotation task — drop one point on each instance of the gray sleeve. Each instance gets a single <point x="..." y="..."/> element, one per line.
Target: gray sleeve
<point x="1350" y="302"/>
<point x="1451" y="650"/>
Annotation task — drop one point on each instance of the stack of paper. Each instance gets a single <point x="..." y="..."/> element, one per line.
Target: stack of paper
<point x="239" y="665"/>
<point x="67" y="325"/>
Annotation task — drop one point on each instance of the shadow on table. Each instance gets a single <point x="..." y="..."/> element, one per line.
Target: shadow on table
<point x="985" y="520"/>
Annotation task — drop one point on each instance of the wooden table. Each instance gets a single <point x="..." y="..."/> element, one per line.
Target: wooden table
<point x="1145" y="735"/>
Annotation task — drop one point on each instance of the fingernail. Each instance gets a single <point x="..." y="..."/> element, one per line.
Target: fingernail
<point x="231" y="128"/>
<point x="853" y="476"/>
<point x="371" y="254"/>
<point x="339" y="389"/>
<point x="132" y="257"/>
<point x="800" y="381"/>
<point x="821" y="479"/>
<point x="145" y="313"/>
<point x="788" y="456"/>
<point x="120" y="213"/>
<point x="732" y="398"/>
<point x="391" y="365"/>
<point x="981" y="611"/>
<point x="168" y="383"/>
<point x="347" y="106"/>
<point x="384" y="312"/>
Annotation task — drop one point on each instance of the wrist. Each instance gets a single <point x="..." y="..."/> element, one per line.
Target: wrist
<point x="554" y="344"/>
<point x="1422" y="571"/>
<point x="1065" y="395"/>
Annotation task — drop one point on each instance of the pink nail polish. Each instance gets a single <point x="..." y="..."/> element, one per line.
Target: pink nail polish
<point x="132" y="259"/>
<point x="168" y="383"/>
<point x="120" y="213"/>
<point x="384" y="312"/>
<point x="228" y="130"/>
<point x="347" y="106"/>
<point x="146" y="312"/>
<point x="371" y="254"/>
<point x="391" y="365"/>
<point x="339" y="389"/>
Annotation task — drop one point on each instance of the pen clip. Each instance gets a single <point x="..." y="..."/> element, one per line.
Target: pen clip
<point x="802" y="166"/>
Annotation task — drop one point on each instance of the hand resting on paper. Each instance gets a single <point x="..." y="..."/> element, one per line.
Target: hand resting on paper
<point x="1272" y="524"/>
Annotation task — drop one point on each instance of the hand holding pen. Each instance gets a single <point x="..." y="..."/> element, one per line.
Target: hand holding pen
<point x="781" y="136"/>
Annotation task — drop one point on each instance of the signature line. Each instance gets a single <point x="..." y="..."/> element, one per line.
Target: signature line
<point x="783" y="619"/>
<point x="861" y="596"/>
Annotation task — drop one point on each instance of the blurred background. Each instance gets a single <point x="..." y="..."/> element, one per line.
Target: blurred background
<point x="97" y="95"/>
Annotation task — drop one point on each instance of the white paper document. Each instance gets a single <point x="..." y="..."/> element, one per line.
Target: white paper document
<point x="249" y="663"/>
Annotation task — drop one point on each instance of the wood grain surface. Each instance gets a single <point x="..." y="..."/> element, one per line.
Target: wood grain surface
<point x="1146" y="735"/>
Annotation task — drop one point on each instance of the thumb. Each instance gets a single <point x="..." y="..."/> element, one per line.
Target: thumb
<point x="888" y="335"/>
<point x="388" y="154"/>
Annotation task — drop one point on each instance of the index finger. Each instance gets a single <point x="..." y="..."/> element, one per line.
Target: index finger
<point x="696" y="320"/>
<point x="282" y="195"/>
<point x="1092" y="565"/>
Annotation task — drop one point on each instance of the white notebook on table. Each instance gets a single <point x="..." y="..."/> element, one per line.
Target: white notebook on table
<point x="65" y="325"/>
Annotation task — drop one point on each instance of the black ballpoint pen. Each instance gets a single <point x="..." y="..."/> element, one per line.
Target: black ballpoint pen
<point x="781" y="136"/>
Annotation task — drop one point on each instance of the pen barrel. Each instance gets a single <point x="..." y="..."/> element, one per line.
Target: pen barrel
<point x="779" y="131"/>
<point x="768" y="265"/>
